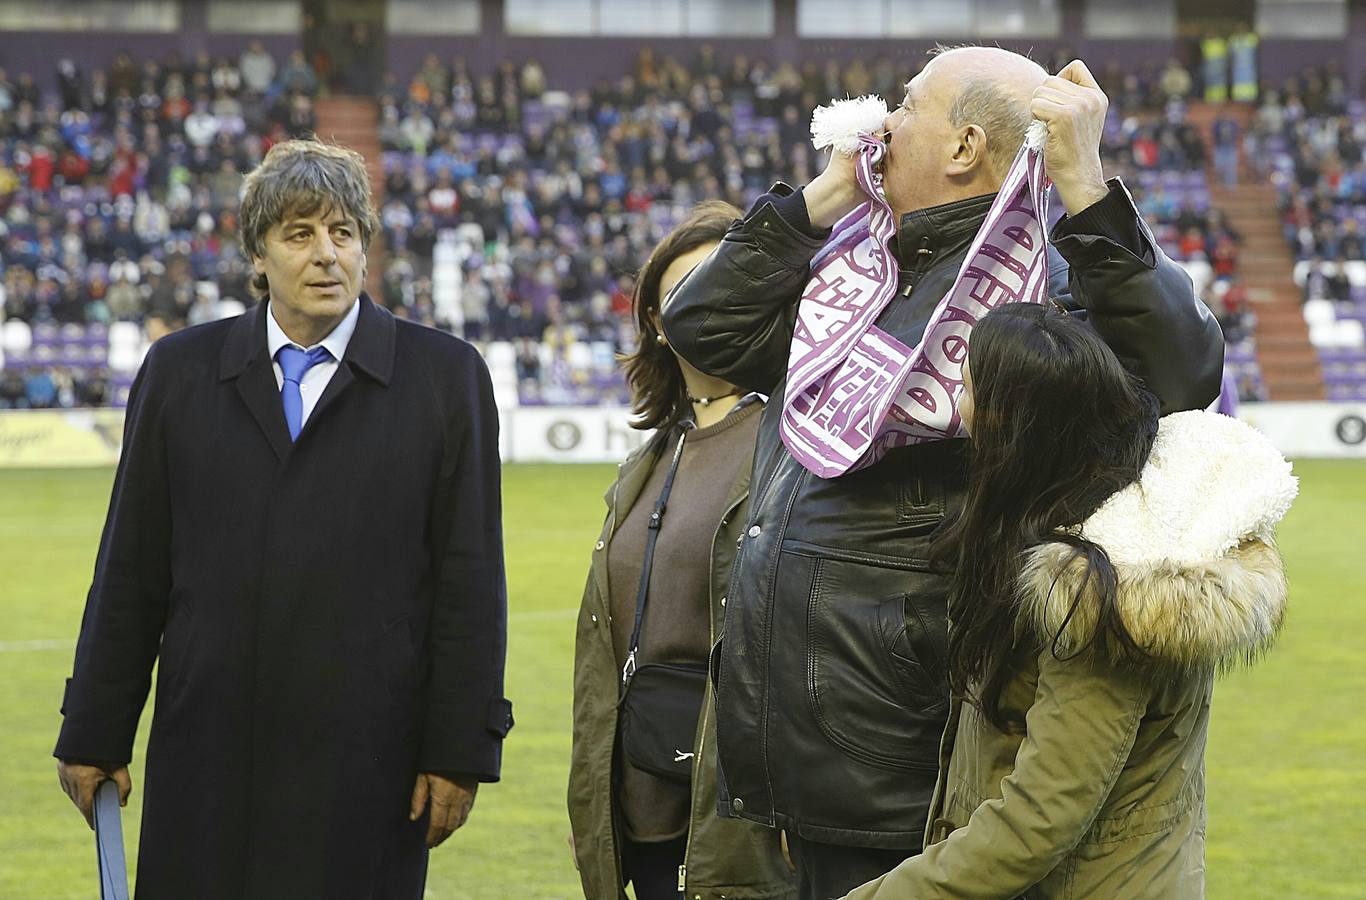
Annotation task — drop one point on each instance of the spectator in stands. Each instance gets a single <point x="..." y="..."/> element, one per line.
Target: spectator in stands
<point x="475" y="298"/>
<point x="257" y="68"/>
<point x="361" y="61"/>
<point x="70" y="84"/>
<point x="40" y="389"/>
<point x="169" y="301"/>
<point x="13" y="390"/>
<point x="1323" y="283"/>
<point x="1226" y="140"/>
<point x="123" y="300"/>
<point x="1350" y="241"/>
<point x="1224" y="258"/>
<point x="298" y="75"/>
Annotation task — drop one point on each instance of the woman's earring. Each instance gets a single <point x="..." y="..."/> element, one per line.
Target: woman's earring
<point x="659" y="339"/>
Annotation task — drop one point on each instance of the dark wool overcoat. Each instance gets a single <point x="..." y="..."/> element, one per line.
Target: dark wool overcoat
<point x="329" y="615"/>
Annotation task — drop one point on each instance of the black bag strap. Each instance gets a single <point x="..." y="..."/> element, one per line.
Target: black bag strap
<point x="651" y="538"/>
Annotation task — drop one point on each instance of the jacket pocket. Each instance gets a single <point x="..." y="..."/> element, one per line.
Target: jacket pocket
<point x="875" y="638"/>
<point x="398" y="656"/>
<point x="395" y="675"/>
<point x="173" y="658"/>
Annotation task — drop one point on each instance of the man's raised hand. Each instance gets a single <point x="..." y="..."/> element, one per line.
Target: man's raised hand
<point x="1073" y="107"/>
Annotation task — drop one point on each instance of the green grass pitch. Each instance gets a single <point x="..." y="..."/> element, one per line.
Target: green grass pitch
<point x="1286" y="773"/>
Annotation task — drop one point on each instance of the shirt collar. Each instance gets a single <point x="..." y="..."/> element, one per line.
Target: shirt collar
<point x="335" y="341"/>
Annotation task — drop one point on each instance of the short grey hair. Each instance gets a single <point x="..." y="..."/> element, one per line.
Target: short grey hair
<point x="1001" y="114"/>
<point x="302" y="178"/>
<point x="986" y="102"/>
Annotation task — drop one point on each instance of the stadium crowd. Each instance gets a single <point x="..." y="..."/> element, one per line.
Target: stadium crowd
<point x="1309" y="137"/>
<point x="511" y="210"/>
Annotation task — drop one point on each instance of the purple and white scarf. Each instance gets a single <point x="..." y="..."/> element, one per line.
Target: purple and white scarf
<point x="853" y="391"/>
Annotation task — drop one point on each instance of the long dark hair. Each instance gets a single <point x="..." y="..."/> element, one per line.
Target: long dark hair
<point x="658" y="394"/>
<point x="1058" y="427"/>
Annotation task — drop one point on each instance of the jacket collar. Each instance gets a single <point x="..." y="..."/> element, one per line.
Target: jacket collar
<point x="371" y="349"/>
<point x="939" y="228"/>
<point x="1199" y="580"/>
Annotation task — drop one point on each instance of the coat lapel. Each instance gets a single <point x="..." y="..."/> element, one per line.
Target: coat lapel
<point x="371" y="351"/>
<point x="246" y="360"/>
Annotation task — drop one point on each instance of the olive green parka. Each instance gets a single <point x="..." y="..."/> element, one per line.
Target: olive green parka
<point x="727" y="859"/>
<point x="1096" y="789"/>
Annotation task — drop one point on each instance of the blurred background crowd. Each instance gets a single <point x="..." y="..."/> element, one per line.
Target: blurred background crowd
<point x="515" y="212"/>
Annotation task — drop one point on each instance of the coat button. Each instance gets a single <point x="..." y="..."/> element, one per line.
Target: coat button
<point x="723" y="601"/>
<point x="737" y="806"/>
<point x="599" y="545"/>
<point x="754" y="531"/>
<point x="594" y="617"/>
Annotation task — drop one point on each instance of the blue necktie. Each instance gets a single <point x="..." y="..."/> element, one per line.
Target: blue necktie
<point x="293" y="364"/>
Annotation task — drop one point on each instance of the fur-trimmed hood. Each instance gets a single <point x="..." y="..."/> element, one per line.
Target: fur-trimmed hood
<point x="1199" y="579"/>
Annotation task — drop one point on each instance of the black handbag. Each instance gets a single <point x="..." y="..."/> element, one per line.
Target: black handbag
<point x="660" y="702"/>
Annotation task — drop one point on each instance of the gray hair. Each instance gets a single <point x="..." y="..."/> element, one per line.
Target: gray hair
<point x="988" y="103"/>
<point x="303" y="177"/>
<point x="1001" y="114"/>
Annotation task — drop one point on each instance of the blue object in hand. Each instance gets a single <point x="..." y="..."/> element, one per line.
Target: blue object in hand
<point x="109" y="843"/>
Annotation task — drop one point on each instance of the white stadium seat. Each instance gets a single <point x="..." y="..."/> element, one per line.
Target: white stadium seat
<point x="1323" y="334"/>
<point x="1319" y="312"/>
<point x="16" y="336"/>
<point x="125" y="346"/>
<point x="1350" y="333"/>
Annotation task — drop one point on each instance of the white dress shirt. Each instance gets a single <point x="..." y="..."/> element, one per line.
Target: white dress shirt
<point x="315" y="380"/>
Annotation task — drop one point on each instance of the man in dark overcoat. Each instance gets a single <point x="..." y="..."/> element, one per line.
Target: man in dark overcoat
<point x="305" y="532"/>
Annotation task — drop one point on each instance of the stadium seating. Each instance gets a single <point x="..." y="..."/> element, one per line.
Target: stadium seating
<point x="1311" y="148"/>
<point x="512" y="213"/>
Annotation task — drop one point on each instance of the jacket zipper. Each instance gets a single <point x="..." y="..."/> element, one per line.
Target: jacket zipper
<point x="923" y="256"/>
<point x="607" y="633"/>
<point x="802" y="475"/>
<point x="700" y="740"/>
<point x="776" y="463"/>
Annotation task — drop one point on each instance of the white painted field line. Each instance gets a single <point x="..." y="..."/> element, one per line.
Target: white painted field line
<point x="28" y="646"/>
<point x="539" y="615"/>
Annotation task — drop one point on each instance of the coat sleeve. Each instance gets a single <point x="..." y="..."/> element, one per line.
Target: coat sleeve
<point x="1079" y="732"/>
<point x="125" y="610"/>
<point x="467" y="716"/>
<point x="733" y="315"/>
<point x="1141" y="302"/>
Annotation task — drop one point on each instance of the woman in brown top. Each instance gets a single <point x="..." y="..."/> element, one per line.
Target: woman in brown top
<point x="657" y="829"/>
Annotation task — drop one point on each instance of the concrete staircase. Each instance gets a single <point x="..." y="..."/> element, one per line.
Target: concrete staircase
<point x="1289" y="363"/>
<point x="354" y="122"/>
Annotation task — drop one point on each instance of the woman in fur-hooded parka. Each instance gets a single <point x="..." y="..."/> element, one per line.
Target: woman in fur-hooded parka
<point x="1097" y="788"/>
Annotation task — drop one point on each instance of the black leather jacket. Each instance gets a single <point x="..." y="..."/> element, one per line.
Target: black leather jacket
<point x="831" y="686"/>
